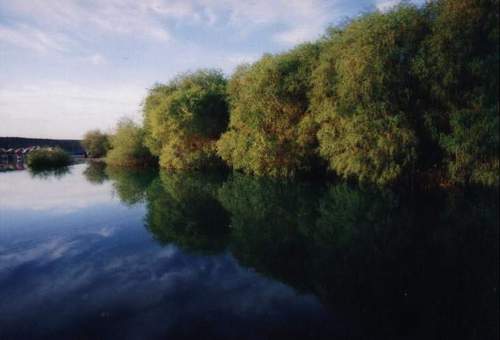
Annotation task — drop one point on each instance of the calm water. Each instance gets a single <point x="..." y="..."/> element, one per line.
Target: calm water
<point x="90" y="252"/>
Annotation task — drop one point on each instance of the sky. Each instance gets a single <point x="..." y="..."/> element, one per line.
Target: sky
<point x="68" y="66"/>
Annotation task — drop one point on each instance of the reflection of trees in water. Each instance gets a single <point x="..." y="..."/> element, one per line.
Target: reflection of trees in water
<point x="96" y="172"/>
<point x="182" y="209"/>
<point x="425" y="265"/>
<point x="345" y="212"/>
<point x="130" y="184"/>
<point x="269" y="221"/>
<point x="49" y="172"/>
<point x="393" y="264"/>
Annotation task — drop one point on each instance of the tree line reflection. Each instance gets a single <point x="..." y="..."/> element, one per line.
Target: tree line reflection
<point x="393" y="264"/>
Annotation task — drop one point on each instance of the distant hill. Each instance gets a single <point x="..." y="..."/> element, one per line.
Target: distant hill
<point x="71" y="145"/>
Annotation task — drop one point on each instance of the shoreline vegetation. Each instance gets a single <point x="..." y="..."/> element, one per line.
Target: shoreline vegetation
<point x="399" y="97"/>
<point x="48" y="158"/>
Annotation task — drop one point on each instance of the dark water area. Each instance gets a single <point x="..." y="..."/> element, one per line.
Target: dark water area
<point x="90" y="252"/>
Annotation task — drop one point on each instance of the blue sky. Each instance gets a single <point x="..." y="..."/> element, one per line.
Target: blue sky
<point x="67" y="66"/>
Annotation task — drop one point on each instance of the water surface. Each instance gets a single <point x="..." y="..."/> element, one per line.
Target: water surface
<point x="90" y="252"/>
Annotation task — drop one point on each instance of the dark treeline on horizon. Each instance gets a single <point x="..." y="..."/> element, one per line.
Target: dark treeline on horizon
<point x="70" y="145"/>
<point x="388" y="97"/>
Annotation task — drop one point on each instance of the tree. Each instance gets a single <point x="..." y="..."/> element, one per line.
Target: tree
<point x="365" y="96"/>
<point x="127" y="146"/>
<point x="184" y="118"/>
<point x="96" y="143"/>
<point x="459" y="66"/>
<point x="271" y="130"/>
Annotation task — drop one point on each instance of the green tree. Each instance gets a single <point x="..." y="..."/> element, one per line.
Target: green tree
<point x="184" y="118"/>
<point x="96" y="143"/>
<point x="271" y="130"/>
<point x="127" y="146"/>
<point x="365" y="96"/>
<point x="459" y="66"/>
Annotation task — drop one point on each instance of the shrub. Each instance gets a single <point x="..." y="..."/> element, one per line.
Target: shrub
<point x="389" y="96"/>
<point x="96" y="143"/>
<point x="47" y="158"/>
<point x="459" y="66"/>
<point x="271" y="130"/>
<point x="365" y="96"/>
<point x="184" y="119"/>
<point x="127" y="146"/>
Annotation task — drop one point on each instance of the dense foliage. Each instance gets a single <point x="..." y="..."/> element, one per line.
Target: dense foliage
<point x="366" y="97"/>
<point x="389" y="97"/>
<point x="48" y="158"/>
<point x="127" y="146"/>
<point x="184" y="118"/>
<point x="458" y="66"/>
<point x="96" y="143"/>
<point x="271" y="131"/>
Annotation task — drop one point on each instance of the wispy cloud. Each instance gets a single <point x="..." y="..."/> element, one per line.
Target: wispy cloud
<point x="296" y="35"/>
<point x="67" y="65"/>
<point x="96" y="59"/>
<point x="31" y="38"/>
<point x="299" y="19"/>
<point x="291" y="21"/>
<point x="385" y="5"/>
<point x="235" y="59"/>
<point x="121" y="17"/>
<point x="32" y="110"/>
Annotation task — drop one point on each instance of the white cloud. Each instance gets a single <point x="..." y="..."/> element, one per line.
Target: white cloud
<point x="296" y="35"/>
<point x="176" y="9"/>
<point x="302" y="19"/>
<point x="108" y="52"/>
<point x="96" y="59"/>
<point x="112" y="16"/>
<point x="33" y="110"/>
<point x="385" y="5"/>
<point x="31" y="38"/>
<point x="235" y="59"/>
